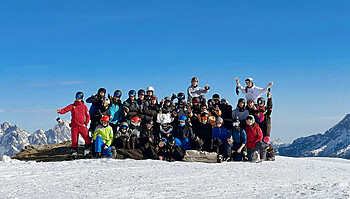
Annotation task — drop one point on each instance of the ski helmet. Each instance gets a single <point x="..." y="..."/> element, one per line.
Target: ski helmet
<point x="195" y="100"/>
<point x="216" y="96"/>
<point x="241" y="100"/>
<point x="167" y="98"/>
<point x="181" y="95"/>
<point x="261" y="100"/>
<point x="194" y="79"/>
<point x="204" y="115"/>
<point x="149" y="122"/>
<point x="267" y="139"/>
<point x="203" y="98"/>
<point x="141" y="92"/>
<point x="249" y="80"/>
<point x="219" y="119"/>
<point x="79" y="95"/>
<point x="176" y="110"/>
<point x="105" y="118"/>
<point x="224" y="101"/>
<point x="117" y="93"/>
<point x="235" y="122"/>
<point x="211" y="102"/>
<point x="182" y="118"/>
<point x="250" y="117"/>
<point x="132" y="93"/>
<point x="124" y="124"/>
<point x="101" y="90"/>
<point x="150" y="88"/>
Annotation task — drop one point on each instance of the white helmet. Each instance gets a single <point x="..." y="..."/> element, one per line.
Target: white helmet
<point x="150" y="88"/>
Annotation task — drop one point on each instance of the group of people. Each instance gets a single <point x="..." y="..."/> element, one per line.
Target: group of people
<point x="166" y="128"/>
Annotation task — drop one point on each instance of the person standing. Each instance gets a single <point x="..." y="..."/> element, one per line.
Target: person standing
<point x="194" y="90"/>
<point x="79" y="122"/>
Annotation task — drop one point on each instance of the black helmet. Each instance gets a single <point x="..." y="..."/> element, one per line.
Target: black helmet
<point x="101" y="90"/>
<point x="117" y="93"/>
<point x="261" y="100"/>
<point x="194" y="79"/>
<point x="79" y="95"/>
<point x="149" y="122"/>
<point x="181" y="95"/>
<point x="203" y="98"/>
<point x="241" y="100"/>
<point x="132" y="93"/>
<point x="141" y="92"/>
<point x="216" y="96"/>
<point x="211" y="102"/>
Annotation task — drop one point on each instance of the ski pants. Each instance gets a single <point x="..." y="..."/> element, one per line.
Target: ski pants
<point x="83" y="131"/>
<point x="99" y="147"/>
<point x="260" y="147"/>
<point x="234" y="146"/>
<point x="185" y="144"/>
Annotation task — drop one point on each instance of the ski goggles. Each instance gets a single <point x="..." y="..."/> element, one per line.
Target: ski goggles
<point x="79" y="96"/>
<point x="132" y="95"/>
<point x="204" y="118"/>
<point x="204" y="107"/>
<point x="218" y="122"/>
<point x="153" y="98"/>
<point x="117" y="95"/>
<point x="167" y="101"/>
<point x="195" y="101"/>
<point x="163" y="140"/>
<point x="124" y="127"/>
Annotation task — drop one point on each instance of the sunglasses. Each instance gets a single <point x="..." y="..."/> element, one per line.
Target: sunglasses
<point x="204" y="108"/>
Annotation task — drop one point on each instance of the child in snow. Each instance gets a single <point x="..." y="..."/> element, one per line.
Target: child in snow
<point x="79" y="122"/>
<point x="194" y="90"/>
<point x="251" y="91"/>
<point x="103" y="138"/>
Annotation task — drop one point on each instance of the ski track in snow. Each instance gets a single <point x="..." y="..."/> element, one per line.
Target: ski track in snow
<point x="107" y="178"/>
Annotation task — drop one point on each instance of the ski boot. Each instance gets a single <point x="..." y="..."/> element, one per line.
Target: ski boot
<point x="256" y="157"/>
<point x="114" y="152"/>
<point x="87" y="151"/>
<point x="74" y="153"/>
<point x="220" y="158"/>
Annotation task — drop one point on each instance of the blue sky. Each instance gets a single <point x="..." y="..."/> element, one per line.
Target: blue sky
<point x="51" y="49"/>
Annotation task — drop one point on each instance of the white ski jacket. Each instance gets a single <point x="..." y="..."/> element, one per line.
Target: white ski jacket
<point x="254" y="92"/>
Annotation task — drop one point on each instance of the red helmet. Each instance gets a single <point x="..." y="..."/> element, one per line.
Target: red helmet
<point x="135" y="119"/>
<point x="105" y="118"/>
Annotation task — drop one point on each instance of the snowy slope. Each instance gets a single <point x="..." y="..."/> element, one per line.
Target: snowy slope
<point x="106" y="178"/>
<point x="333" y="143"/>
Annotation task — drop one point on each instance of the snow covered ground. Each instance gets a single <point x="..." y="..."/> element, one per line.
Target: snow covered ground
<point x="106" y="178"/>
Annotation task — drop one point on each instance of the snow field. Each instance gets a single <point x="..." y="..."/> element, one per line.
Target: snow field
<point x="106" y="178"/>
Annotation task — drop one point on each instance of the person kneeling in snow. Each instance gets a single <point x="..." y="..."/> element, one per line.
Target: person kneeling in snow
<point x="254" y="140"/>
<point x="103" y="138"/>
<point x="270" y="154"/>
<point x="80" y="120"/>
<point x="237" y="138"/>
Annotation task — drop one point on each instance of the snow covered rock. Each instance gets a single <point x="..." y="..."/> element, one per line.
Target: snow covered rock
<point x="333" y="143"/>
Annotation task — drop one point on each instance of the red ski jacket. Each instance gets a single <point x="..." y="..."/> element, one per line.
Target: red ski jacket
<point x="80" y="114"/>
<point x="254" y="134"/>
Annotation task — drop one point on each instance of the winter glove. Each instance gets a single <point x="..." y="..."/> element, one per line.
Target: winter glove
<point x="207" y="87"/>
<point x="237" y="90"/>
<point x="173" y="97"/>
<point x="126" y="109"/>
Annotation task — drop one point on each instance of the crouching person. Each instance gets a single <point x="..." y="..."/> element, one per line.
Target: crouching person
<point x="184" y="135"/>
<point x="219" y="137"/>
<point x="103" y="138"/>
<point x="256" y="150"/>
<point x="79" y="122"/>
<point x="270" y="154"/>
<point x="169" y="151"/>
<point x="121" y="138"/>
<point x="237" y="138"/>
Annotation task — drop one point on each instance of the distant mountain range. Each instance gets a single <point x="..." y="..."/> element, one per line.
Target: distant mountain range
<point x="13" y="139"/>
<point x="333" y="143"/>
